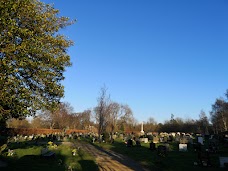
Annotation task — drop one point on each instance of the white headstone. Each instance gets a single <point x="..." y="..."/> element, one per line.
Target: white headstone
<point x="145" y="140"/>
<point x="183" y="147"/>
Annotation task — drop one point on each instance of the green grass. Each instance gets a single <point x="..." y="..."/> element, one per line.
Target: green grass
<point x="173" y="161"/>
<point x="28" y="157"/>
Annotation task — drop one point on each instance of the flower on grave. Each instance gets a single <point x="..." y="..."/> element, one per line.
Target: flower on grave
<point x="70" y="168"/>
<point x="10" y="153"/>
<point x="50" y="143"/>
<point x="74" y="152"/>
<point x="54" y="146"/>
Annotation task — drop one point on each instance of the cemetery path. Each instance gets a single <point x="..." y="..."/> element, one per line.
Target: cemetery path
<point x="109" y="160"/>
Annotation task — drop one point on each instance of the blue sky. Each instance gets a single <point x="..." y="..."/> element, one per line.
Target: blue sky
<point x="159" y="57"/>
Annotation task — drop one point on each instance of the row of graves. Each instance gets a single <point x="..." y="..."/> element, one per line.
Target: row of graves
<point x="204" y="147"/>
<point x="49" y="142"/>
<point x="39" y="138"/>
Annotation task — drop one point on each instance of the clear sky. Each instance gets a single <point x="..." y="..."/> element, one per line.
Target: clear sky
<point x="159" y="57"/>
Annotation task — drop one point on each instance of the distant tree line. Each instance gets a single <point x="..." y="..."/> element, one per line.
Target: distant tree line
<point x="109" y="116"/>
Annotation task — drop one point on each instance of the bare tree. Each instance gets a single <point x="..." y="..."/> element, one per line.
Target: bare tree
<point x="38" y="122"/>
<point x="114" y="114"/>
<point x="82" y="120"/>
<point x="101" y="111"/>
<point x="203" y="123"/>
<point x="126" y="120"/>
<point x="18" y="123"/>
<point x="150" y="125"/>
<point x="59" y="118"/>
<point x="219" y="115"/>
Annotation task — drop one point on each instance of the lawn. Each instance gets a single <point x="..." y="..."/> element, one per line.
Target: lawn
<point x="28" y="157"/>
<point x="173" y="161"/>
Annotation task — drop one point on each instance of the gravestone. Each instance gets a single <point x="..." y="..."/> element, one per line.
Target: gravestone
<point x="161" y="139"/>
<point x="197" y="147"/>
<point x="114" y="136"/>
<point x="138" y="143"/>
<point x="129" y="143"/>
<point x="213" y="148"/>
<point x="125" y="139"/>
<point x="15" y="139"/>
<point x="183" y="140"/>
<point x="173" y="134"/>
<point x="223" y="161"/>
<point x="161" y="151"/>
<point x="183" y="147"/>
<point x="30" y="137"/>
<point x="93" y="140"/>
<point x="155" y="140"/>
<point x="204" y="158"/>
<point x="167" y="146"/>
<point x="177" y="138"/>
<point x="145" y="140"/>
<point x="121" y="136"/>
<point x="190" y="141"/>
<point x="152" y="146"/>
<point x="200" y="140"/>
<point x="165" y="139"/>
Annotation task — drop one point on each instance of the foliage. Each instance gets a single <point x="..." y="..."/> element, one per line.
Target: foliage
<point x="219" y="115"/>
<point x="33" y="57"/>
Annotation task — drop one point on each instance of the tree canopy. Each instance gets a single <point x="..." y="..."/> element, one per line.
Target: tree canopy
<point x="33" y="57"/>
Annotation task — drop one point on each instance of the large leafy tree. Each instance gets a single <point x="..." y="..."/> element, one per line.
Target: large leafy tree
<point x="33" y="57"/>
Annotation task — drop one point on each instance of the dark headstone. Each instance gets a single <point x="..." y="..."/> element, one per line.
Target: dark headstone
<point x="138" y="143"/>
<point x="197" y="147"/>
<point x="204" y="158"/>
<point x="129" y="143"/>
<point x="162" y="150"/>
<point x="152" y="146"/>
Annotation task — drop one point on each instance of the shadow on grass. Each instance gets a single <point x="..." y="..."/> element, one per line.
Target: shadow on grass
<point x="29" y="158"/>
<point x="173" y="161"/>
<point x="88" y="165"/>
<point x="33" y="163"/>
<point x="126" y="158"/>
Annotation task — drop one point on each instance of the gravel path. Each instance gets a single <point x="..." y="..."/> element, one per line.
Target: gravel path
<point x="109" y="160"/>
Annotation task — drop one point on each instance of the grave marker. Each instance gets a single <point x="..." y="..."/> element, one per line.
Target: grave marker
<point x="183" y="147"/>
<point x="223" y="161"/>
<point x="200" y="140"/>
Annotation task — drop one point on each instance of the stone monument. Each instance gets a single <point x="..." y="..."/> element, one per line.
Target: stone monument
<point x="142" y="132"/>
